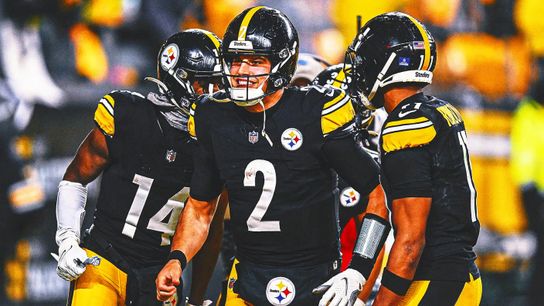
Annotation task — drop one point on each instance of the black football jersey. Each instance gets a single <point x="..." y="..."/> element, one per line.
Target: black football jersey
<point x="281" y="194"/>
<point x="424" y="154"/>
<point x="149" y="162"/>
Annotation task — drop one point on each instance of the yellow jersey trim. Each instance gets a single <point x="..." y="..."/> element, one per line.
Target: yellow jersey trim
<point x="334" y="101"/>
<point x="191" y="128"/>
<point x="405" y="139"/>
<point x="406" y="121"/>
<point x="337" y="116"/>
<point x="104" y="115"/>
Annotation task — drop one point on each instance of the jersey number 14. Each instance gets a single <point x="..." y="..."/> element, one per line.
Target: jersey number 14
<point x="155" y="223"/>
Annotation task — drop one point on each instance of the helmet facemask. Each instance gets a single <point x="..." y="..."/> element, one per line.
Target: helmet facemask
<point x="356" y="70"/>
<point x="275" y="80"/>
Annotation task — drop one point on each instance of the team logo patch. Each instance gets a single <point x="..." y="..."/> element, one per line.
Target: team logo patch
<point x="280" y="291"/>
<point x="231" y="283"/>
<point x="253" y="137"/>
<point x="169" y="56"/>
<point x="404" y="61"/>
<point x="170" y="156"/>
<point x="349" y="197"/>
<point x="291" y="139"/>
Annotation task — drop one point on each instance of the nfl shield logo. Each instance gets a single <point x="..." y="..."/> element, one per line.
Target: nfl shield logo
<point x="170" y="156"/>
<point x="253" y="137"/>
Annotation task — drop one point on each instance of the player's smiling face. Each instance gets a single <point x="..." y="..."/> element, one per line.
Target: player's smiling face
<point x="250" y="71"/>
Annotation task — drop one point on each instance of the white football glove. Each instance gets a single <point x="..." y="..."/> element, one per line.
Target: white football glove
<point x="71" y="258"/>
<point x="342" y="289"/>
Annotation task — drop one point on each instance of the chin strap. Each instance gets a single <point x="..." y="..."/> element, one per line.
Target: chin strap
<point x="263" y="131"/>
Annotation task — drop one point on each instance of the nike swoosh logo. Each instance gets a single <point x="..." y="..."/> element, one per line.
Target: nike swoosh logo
<point x="401" y="114"/>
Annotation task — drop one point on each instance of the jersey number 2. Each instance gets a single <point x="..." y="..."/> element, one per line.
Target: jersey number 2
<point x="155" y="223"/>
<point x="254" y="222"/>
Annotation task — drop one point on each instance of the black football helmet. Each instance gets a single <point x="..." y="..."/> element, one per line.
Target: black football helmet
<point x="390" y="48"/>
<point x="262" y="31"/>
<point x="188" y="56"/>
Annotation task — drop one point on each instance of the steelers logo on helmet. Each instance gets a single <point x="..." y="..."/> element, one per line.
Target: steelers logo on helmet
<point x="291" y="139"/>
<point x="169" y="56"/>
<point x="349" y="197"/>
<point x="280" y="291"/>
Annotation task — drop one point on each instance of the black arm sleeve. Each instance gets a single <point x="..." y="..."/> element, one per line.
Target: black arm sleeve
<point x="352" y="163"/>
<point x="408" y="173"/>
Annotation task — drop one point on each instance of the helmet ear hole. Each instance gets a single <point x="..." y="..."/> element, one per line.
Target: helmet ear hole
<point x="280" y="82"/>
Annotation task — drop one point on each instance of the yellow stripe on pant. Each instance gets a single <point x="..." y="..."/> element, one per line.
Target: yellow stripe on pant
<point x="471" y="294"/>
<point x="103" y="285"/>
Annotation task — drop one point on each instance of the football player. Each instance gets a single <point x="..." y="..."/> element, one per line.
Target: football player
<point x="273" y="148"/>
<point x="141" y="147"/>
<point x="352" y="205"/>
<point x="425" y="167"/>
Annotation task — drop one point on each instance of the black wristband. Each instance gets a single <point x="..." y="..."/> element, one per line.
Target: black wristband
<point x="179" y="255"/>
<point x="395" y="283"/>
<point x="362" y="264"/>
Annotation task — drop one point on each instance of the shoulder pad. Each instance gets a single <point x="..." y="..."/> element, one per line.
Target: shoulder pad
<point x="407" y="128"/>
<point x="337" y="109"/>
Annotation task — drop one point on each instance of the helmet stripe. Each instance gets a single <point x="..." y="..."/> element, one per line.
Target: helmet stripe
<point x="426" y="43"/>
<point x="212" y="37"/>
<point x="245" y="22"/>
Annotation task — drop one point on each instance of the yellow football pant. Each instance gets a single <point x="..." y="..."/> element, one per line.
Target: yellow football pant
<point x="103" y="285"/>
<point x="233" y="299"/>
<point x="419" y="291"/>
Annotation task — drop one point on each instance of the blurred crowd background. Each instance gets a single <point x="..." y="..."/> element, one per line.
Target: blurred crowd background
<point x="58" y="57"/>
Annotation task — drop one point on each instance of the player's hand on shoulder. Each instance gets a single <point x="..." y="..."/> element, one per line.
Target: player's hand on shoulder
<point x="342" y="289"/>
<point x="71" y="258"/>
<point x="168" y="279"/>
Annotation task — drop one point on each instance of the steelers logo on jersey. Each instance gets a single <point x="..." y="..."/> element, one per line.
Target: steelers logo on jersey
<point x="280" y="291"/>
<point x="349" y="197"/>
<point x="169" y="56"/>
<point x="291" y="139"/>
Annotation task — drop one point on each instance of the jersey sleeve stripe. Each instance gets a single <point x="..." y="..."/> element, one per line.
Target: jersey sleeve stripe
<point x="191" y="122"/>
<point x="104" y="120"/>
<point x="406" y="121"/>
<point x="110" y="100"/>
<point x="408" y="139"/>
<point x="338" y="117"/>
<point x="107" y="106"/>
<point x="334" y="101"/>
<point x="407" y="127"/>
<point x="330" y="107"/>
